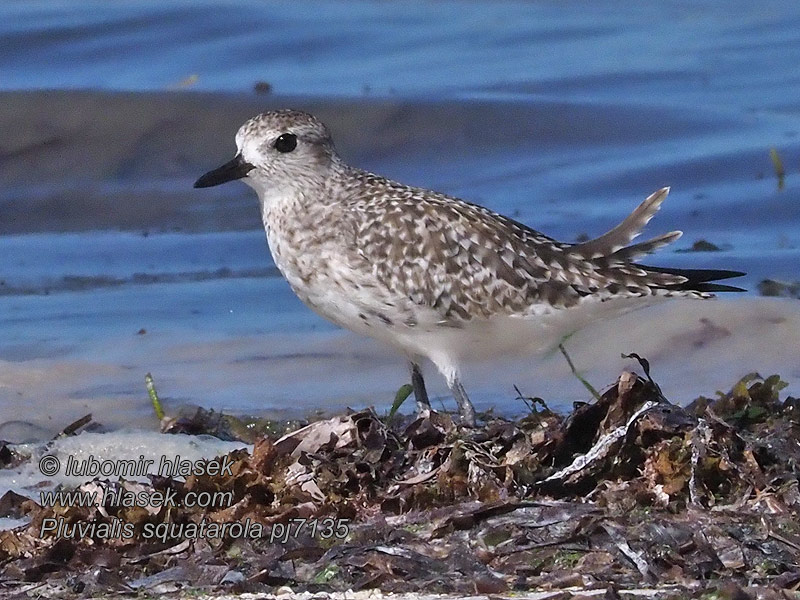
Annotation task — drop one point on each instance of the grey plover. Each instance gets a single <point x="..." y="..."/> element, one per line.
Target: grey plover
<point x="434" y="276"/>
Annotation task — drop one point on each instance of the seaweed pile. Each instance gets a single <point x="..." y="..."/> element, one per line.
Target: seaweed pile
<point x="630" y="491"/>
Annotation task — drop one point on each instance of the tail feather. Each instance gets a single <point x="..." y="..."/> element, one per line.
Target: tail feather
<point x="611" y="253"/>
<point x="699" y="280"/>
<point x="629" y="253"/>
<point x="717" y="287"/>
<point x="622" y="235"/>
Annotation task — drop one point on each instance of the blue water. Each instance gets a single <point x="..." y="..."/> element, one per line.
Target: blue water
<point x="738" y="55"/>
<point x="562" y="115"/>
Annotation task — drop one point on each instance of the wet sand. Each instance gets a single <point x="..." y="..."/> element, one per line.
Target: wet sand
<point x="78" y="161"/>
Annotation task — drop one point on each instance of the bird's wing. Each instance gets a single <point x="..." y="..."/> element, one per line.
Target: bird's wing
<point x="465" y="261"/>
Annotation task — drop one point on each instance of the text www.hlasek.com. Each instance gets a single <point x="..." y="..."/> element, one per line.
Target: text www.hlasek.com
<point x="126" y="499"/>
<point x="110" y="496"/>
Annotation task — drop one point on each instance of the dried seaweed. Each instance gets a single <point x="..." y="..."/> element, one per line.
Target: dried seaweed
<point x="628" y="491"/>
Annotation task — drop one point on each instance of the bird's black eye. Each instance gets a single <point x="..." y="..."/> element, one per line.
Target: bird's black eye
<point x="286" y="142"/>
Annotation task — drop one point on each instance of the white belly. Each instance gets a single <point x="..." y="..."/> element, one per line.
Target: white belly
<point x="482" y="339"/>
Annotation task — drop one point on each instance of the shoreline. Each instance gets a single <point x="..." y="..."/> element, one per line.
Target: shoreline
<point x="92" y="148"/>
<point x="93" y="178"/>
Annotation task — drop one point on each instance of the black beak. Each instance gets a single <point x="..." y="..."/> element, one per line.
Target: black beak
<point x="234" y="169"/>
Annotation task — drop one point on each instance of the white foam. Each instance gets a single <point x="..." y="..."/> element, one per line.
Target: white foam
<point x="27" y="480"/>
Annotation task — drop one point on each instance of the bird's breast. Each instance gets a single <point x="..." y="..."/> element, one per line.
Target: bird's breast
<point x="312" y="258"/>
<point x="297" y="247"/>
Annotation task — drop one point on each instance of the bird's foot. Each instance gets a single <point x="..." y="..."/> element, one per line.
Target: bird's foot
<point x="420" y="393"/>
<point x="465" y="407"/>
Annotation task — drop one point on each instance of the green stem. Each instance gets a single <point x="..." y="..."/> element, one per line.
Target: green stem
<point x="585" y="383"/>
<point x="151" y="391"/>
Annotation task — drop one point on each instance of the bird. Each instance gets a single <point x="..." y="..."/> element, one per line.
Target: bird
<point x="431" y="275"/>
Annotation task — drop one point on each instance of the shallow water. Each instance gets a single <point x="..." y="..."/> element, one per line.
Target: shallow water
<point x="564" y="117"/>
<point x="738" y="55"/>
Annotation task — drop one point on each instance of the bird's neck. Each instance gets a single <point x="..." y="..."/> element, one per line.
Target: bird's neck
<point x="293" y="207"/>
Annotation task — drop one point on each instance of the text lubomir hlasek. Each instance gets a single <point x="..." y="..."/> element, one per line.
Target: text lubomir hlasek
<point x="172" y="467"/>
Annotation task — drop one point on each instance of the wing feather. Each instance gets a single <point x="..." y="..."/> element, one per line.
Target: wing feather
<point x="465" y="261"/>
<point x="624" y="233"/>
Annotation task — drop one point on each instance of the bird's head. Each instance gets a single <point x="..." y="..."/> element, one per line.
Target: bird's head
<point x="278" y="151"/>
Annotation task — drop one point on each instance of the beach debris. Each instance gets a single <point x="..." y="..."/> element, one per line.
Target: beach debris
<point x="151" y="392"/>
<point x="401" y="396"/>
<point x="628" y="492"/>
<point x="595" y="394"/>
<point x="701" y="246"/>
<point x="187" y="82"/>
<point x="704" y="246"/>
<point x="195" y="420"/>
<point x="262" y="87"/>
<point x="72" y="428"/>
<point x="777" y="166"/>
<point x="772" y="287"/>
<point x="7" y="455"/>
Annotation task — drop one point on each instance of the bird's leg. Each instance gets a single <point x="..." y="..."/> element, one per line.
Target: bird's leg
<point x="420" y="393"/>
<point x="465" y="407"/>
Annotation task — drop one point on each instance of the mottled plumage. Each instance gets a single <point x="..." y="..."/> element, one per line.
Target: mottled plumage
<point x="433" y="275"/>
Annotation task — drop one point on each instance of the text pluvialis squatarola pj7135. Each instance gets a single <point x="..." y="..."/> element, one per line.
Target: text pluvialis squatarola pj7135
<point x="432" y="275"/>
